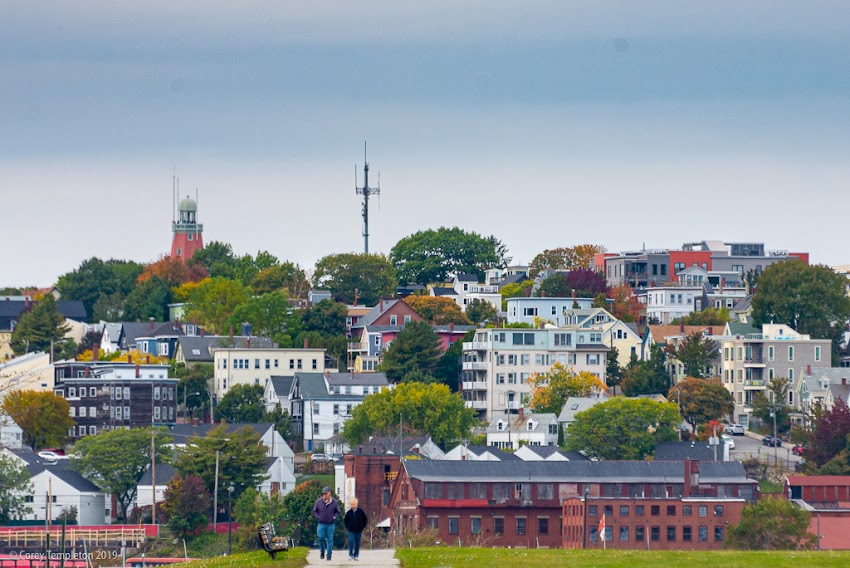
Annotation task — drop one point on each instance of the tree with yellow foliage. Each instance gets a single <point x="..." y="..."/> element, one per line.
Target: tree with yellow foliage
<point x="549" y="391"/>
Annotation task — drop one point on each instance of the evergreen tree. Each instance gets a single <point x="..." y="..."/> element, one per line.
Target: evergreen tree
<point x="39" y="327"/>
<point x="416" y="348"/>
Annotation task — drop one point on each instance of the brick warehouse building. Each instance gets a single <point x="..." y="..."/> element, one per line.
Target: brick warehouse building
<point x="531" y="504"/>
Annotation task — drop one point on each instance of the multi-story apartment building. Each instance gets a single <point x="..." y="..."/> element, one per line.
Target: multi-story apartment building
<point x="119" y="395"/>
<point x="751" y="362"/>
<point x="646" y="268"/>
<point x="497" y="362"/>
<point x="255" y="366"/>
<point x="465" y="288"/>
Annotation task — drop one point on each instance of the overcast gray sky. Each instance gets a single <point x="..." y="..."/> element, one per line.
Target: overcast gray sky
<point x="545" y="123"/>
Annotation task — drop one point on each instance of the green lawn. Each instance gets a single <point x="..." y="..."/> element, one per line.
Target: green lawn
<point x="516" y="558"/>
<point x="294" y="558"/>
<point x="325" y="479"/>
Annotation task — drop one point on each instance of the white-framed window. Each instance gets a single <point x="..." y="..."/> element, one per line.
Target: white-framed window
<point x="770" y="352"/>
<point x="377" y="340"/>
<point x="93" y="392"/>
<point x="315" y="428"/>
<point x="126" y="413"/>
<point x="162" y="349"/>
<point x="817" y="352"/>
<point x="92" y="412"/>
<point x="406" y="319"/>
<point x="393" y="320"/>
<point x="73" y="412"/>
<point x="156" y="413"/>
<point x="82" y="412"/>
<point x="790" y="353"/>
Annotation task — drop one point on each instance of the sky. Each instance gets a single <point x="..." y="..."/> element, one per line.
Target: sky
<point x="544" y="123"/>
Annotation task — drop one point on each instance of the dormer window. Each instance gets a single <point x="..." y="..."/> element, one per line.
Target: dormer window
<point x="500" y="426"/>
<point x="530" y="426"/>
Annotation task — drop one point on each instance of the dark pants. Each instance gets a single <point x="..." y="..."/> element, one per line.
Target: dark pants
<point x="354" y="543"/>
<point x="326" y="538"/>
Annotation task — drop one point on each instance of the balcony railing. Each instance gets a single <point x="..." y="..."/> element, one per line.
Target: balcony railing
<point x="474" y="366"/>
<point x="476" y="346"/>
<point x="754" y="360"/>
<point x="476" y="404"/>
<point x="754" y="383"/>
<point x="485" y="290"/>
<point x="356" y="347"/>
<point x="474" y="385"/>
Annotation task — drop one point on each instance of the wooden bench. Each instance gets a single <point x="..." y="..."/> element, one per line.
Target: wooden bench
<point x="271" y="543"/>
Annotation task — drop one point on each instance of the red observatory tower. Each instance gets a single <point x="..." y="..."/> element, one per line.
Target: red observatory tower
<point x="188" y="233"/>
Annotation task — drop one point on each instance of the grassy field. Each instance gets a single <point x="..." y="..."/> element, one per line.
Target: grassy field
<point x="294" y="558"/>
<point x="501" y="557"/>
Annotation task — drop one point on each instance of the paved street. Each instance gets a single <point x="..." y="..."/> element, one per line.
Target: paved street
<point x="750" y="445"/>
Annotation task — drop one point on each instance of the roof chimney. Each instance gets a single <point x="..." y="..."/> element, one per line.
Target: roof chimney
<point x="327" y="374"/>
<point x="351" y="376"/>
<point x="382" y="305"/>
<point x="306" y="343"/>
<point x="542" y="293"/>
<point x="87" y="371"/>
<point x="681" y="327"/>
<point x="202" y="332"/>
<point x="129" y="358"/>
<point x="710" y="330"/>
<point x="138" y="374"/>
<point x="176" y="323"/>
<point x="194" y="422"/>
<point x="147" y="359"/>
<point x="574" y="293"/>
<point x="95" y="352"/>
<point x="248" y="342"/>
<point x="843" y="380"/>
<point x="231" y="337"/>
<point x="808" y="369"/>
<point x="452" y="326"/>
<point x="151" y="324"/>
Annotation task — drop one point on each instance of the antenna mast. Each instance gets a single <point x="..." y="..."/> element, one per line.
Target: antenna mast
<point x="365" y="191"/>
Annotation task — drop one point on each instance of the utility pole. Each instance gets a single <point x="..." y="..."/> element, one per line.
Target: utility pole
<point x="366" y="191"/>
<point x="153" y="475"/>
<point x="215" y="496"/>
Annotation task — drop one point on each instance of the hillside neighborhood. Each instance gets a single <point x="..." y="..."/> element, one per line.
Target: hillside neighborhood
<point x="631" y="400"/>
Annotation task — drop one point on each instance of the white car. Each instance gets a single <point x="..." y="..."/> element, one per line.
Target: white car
<point x="50" y="456"/>
<point x="729" y="441"/>
<point x="735" y="429"/>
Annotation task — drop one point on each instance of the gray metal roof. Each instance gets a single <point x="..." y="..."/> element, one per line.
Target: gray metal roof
<point x="573" y="471"/>
<point x="467" y="277"/>
<point x="443" y="291"/>
<point x="164" y="474"/>
<point x="130" y="330"/>
<point x="183" y="432"/>
<point x="678" y="451"/>
<point x="358" y="379"/>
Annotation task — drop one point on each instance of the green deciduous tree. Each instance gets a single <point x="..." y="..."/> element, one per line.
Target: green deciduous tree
<point x="281" y="419"/>
<point x="555" y="286"/>
<point x="772" y="524"/>
<point x="710" y="316"/>
<point x="776" y="401"/>
<point x="213" y="301"/>
<point x="287" y="277"/>
<point x="515" y="290"/>
<point x="369" y="277"/>
<point x="550" y="390"/>
<point x="696" y="351"/>
<point x="270" y="315"/>
<point x="149" y="299"/>
<point x="15" y="486"/>
<point x="44" y="417"/>
<point x="623" y="429"/>
<point x="326" y="318"/>
<point x="187" y="504"/>
<point x="253" y="509"/>
<point x="115" y="460"/>
<point x="437" y="310"/>
<point x="38" y="327"/>
<point x="217" y="259"/>
<point x="415" y="348"/>
<point x="424" y="408"/>
<point x="95" y="278"/>
<point x="810" y="299"/>
<point x="480" y="311"/>
<point x="241" y="404"/>
<point x="702" y="400"/>
<point x="434" y="255"/>
<point x="242" y="458"/>
<point x="193" y="385"/>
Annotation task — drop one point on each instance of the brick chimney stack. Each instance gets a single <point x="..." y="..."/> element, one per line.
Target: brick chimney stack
<point x="151" y="320"/>
<point x="138" y="371"/>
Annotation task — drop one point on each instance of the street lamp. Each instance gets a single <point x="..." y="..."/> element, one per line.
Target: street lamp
<point x="584" y="527"/>
<point x="775" y="451"/>
<point x="508" y="400"/>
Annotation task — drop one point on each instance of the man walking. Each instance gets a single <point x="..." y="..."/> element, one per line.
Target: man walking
<point x="355" y="521"/>
<point x="325" y="511"/>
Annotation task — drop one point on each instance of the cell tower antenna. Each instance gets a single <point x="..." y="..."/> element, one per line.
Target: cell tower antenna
<point x="173" y="193"/>
<point x="366" y="191"/>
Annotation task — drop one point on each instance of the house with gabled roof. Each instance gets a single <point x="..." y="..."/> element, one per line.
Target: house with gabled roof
<point x="480" y="453"/>
<point x="322" y="402"/>
<point x="547" y="453"/>
<point x="56" y="489"/>
<point x="465" y="288"/>
<point x="512" y="430"/>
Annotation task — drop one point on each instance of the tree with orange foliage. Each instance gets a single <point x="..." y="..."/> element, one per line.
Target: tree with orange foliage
<point x="437" y="310"/>
<point x="625" y="306"/>
<point x="550" y="390"/>
<point x="173" y="271"/>
<point x="578" y="257"/>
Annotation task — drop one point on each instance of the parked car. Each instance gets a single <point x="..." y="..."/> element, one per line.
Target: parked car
<point x="336" y="457"/>
<point x="321" y="458"/>
<point x="50" y="455"/>
<point x="798" y="450"/>
<point x="734" y="429"/>
<point x="729" y="441"/>
<point x="772" y="442"/>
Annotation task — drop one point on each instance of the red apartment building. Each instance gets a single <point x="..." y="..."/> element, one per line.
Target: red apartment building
<point x="827" y="498"/>
<point x="531" y="504"/>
